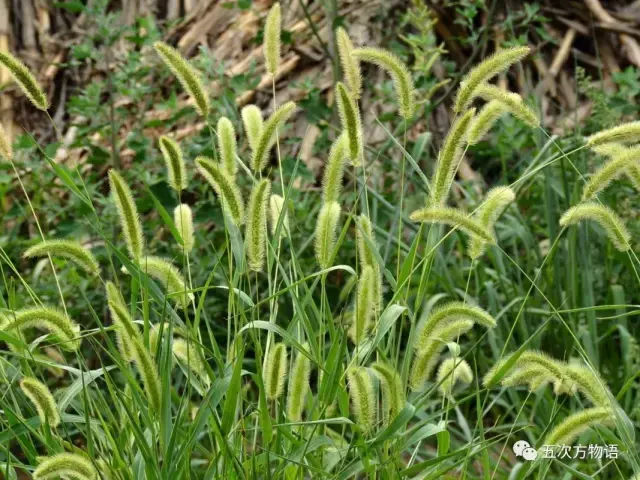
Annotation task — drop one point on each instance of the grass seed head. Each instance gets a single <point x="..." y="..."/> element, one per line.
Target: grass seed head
<point x="269" y="134"/>
<point x="453" y="370"/>
<point x="349" y="62"/>
<point x="128" y="215"/>
<point x="176" y="168"/>
<point x="272" y="30"/>
<point x="227" y="146"/>
<point x="49" y="319"/>
<point x="400" y="74"/>
<point x="70" y="465"/>
<point x="455" y="218"/>
<point x="362" y="395"/>
<point x="6" y="151"/>
<point x="42" y="399"/>
<point x="298" y="386"/>
<point x="275" y="371"/>
<point x="325" y="235"/>
<point x="603" y="216"/>
<point x="68" y="249"/>
<point x="449" y="159"/>
<point x="351" y="123"/>
<point x="186" y="74"/>
<point x="183" y="220"/>
<point x="225" y="187"/>
<point x="256" y="231"/>
<point x="25" y="80"/>
<point x="253" y="124"/>
<point x="485" y="71"/>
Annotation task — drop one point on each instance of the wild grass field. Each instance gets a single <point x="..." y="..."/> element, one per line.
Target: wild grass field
<point x="190" y="299"/>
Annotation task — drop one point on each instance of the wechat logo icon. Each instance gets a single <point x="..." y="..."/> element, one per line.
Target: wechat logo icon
<point x="522" y="449"/>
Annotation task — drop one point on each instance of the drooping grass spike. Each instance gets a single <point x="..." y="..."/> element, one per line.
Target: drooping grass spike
<point x="537" y="368"/>
<point x="227" y="146"/>
<point x="25" y="80"/>
<point x="325" y="235"/>
<point x="53" y="321"/>
<point x="448" y="313"/>
<point x="484" y="120"/>
<point x="188" y="353"/>
<point x="275" y="371"/>
<point x="615" y="150"/>
<point x="514" y="103"/>
<point x="445" y="324"/>
<point x="605" y="217"/>
<point x="183" y="220"/>
<point x="351" y="123"/>
<point x="400" y="74"/>
<point x="613" y="169"/>
<point x="176" y="168"/>
<point x="298" y="386"/>
<point x="485" y="71"/>
<point x="334" y="170"/>
<point x="451" y="371"/>
<point x="362" y="395"/>
<point x="272" y="29"/>
<point x="6" y="151"/>
<point x="455" y="218"/>
<point x="625" y="133"/>
<point x="188" y="76"/>
<point x="42" y="399"/>
<point x="393" y="396"/>
<point x="225" y="186"/>
<point x="71" y="465"/>
<point x="427" y="357"/>
<point x="128" y="214"/>
<point x="253" y="124"/>
<point x="365" y="308"/>
<point x="277" y="209"/>
<point x="68" y="249"/>
<point x="349" y="62"/>
<point x="126" y="331"/>
<point x="256" y="231"/>
<point x="567" y="431"/>
<point x="168" y="276"/>
<point x="268" y="136"/>
<point x="449" y="159"/>
<point x="495" y="203"/>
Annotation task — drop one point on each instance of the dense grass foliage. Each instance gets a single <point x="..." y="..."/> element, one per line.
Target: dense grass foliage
<point x="264" y="331"/>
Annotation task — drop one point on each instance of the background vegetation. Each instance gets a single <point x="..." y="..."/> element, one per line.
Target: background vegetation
<point x="567" y="292"/>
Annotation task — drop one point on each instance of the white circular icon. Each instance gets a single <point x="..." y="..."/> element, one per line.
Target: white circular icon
<point x="520" y="446"/>
<point x="529" y="453"/>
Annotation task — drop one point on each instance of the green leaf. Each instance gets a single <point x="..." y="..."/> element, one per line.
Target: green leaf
<point x="231" y="401"/>
<point x="400" y="421"/>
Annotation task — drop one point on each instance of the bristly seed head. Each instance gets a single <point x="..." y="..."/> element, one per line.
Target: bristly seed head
<point x="43" y="400"/>
<point x="256" y="231"/>
<point x="176" y="168"/>
<point x="349" y="62"/>
<point x="227" y="146"/>
<point x="400" y="74"/>
<point x="188" y="76"/>
<point x="25" y="80"/>
<point x="183" y="220"/>
<point x="128" y="214"/>
<point x="272" y="29"/>
<point x="225" y="187"/>
<point x="275" y="371"/>
<point x="605" y="217"/>
<point x="325" y="235"/>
